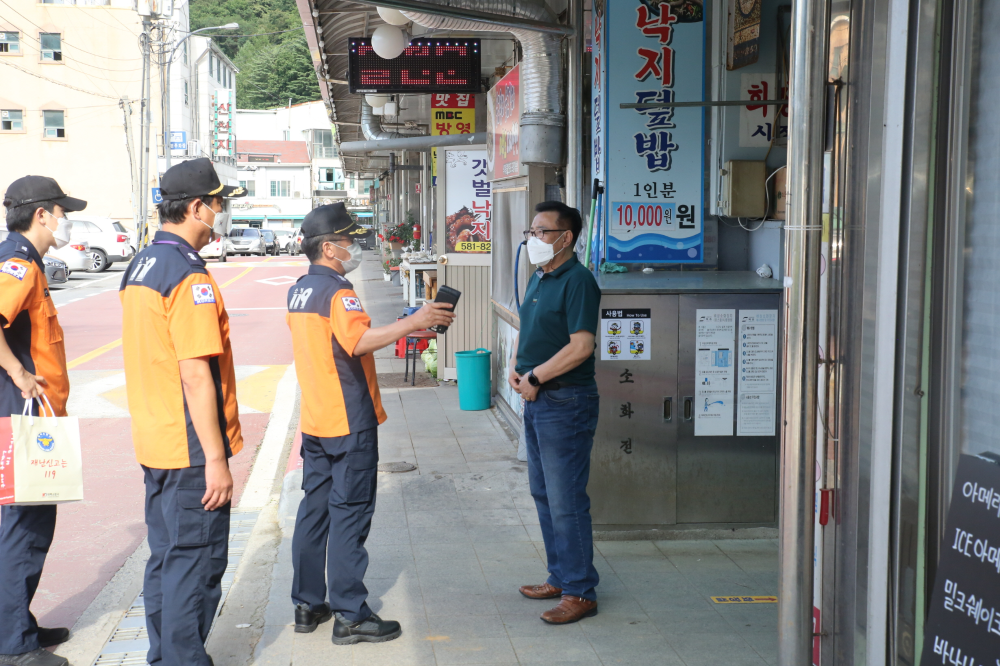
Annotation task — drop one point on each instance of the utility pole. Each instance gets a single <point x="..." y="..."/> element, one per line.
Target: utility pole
<point x="144" y="136"/>
<point x="126" y="106"/>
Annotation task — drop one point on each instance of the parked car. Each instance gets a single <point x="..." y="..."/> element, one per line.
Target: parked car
<point x="270" y="242"/>
<point x="56" y="271"/>
<point x="215" y="250"/>
<point x="295" y="245"/>
<point x="285" y="237"/>
<point x="76" y="256"/>
<point x="108" y="240"/>
<point x="245" y="241"/>
<point x="369" y="242"/>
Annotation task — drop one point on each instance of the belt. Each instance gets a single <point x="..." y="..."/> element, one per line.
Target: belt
<point x="555" y="386"/>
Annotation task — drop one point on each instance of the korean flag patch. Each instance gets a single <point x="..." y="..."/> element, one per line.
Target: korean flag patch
<point x="352" y="303"/>
<point x="20" y="270"/>
<point x="203" y="293"/>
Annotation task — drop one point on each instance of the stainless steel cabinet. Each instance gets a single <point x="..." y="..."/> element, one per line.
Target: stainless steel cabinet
<point x="648" y="468"/>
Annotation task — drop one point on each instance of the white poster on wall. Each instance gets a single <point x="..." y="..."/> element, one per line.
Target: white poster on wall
<point x="715" y="335"/>
<point x="758" y="362"/>
<point x="506" y="335"/>
<point x="762" y="123"/>
<point x="625" y="335"/>
<point x="468" y="201"/>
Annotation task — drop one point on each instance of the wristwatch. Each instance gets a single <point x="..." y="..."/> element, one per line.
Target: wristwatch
<point x="532" y="379"/>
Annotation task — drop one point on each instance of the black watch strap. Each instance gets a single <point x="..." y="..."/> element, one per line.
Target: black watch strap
<point x="532" y="379"/>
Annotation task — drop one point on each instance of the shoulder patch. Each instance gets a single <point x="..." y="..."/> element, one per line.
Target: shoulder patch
<point x="19" y="270"/>
<point x="203" y="293"/>
<point x="352" y="303"/>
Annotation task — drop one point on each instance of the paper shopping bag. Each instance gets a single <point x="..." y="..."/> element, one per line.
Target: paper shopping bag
<point x="46" y="464"/>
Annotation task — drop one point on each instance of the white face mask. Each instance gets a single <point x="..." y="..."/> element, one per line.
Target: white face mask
<point x="541" y="253"/>
<point x="355" y="259"/>
<point x="62" y="232"/>
<point x="221" y="224"/>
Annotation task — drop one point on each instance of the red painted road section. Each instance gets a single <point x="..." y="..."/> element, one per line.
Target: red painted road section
<point x="95" y="537"/>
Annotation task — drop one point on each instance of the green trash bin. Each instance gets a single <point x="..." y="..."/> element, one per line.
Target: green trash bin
<point x="473" y="368"/>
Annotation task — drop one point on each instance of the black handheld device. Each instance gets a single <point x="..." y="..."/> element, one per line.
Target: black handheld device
<point x="446" y="295"/>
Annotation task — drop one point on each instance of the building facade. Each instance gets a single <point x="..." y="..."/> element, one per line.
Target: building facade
<point x="277" y="176"/>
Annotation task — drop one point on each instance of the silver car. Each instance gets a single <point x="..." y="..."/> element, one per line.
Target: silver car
<point x="56" y="270"/>
<point x="245" y="241"/>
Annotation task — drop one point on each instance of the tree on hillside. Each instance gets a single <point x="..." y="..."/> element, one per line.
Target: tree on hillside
<point x="274" y="67"/>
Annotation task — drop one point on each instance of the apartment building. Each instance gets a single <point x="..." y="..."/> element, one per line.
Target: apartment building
<point x="277" y="176"/>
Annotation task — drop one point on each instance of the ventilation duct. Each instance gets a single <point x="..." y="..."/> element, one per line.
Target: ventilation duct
<point x="371" y="127"/>
<point x="543" y="123"/>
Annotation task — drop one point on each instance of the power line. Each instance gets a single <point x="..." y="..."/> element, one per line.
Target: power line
<point x="58" y="83"/>
<point x="64" y="41"/>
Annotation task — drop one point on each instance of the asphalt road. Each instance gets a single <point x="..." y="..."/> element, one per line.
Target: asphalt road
<point x="95" y="537"/>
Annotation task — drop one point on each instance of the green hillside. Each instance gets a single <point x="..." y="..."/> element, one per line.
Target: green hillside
<point x="273" y="68"/>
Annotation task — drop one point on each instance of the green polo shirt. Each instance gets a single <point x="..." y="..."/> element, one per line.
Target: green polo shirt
<point x="556" y="305"/>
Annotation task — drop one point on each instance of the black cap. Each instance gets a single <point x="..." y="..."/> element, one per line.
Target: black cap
<point x="195" y="178"/>
<point x="332" y="219"/>
<point x="36" y="189"/>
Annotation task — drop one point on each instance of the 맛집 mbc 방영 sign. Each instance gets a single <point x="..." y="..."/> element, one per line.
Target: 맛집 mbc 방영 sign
<point x="426" y="66"/>
<point x="468" y="202"/>
<point x="450" y="114"/>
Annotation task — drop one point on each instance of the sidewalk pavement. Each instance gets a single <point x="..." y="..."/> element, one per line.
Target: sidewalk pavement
<point x="452" y="541"/>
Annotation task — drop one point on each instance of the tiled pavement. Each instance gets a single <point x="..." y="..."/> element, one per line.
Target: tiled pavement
<point x="452" y="541"/>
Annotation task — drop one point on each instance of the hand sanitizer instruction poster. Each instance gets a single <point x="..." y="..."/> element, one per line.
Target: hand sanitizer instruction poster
<point x="625" y="335"/>
<point x="757" y="360"/>
<point x="714" y="397"/>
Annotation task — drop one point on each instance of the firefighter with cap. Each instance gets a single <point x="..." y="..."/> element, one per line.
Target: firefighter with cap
<point x="181" y="387"/>
<point x="340" y="412"/>
<point x="34" y="358"/>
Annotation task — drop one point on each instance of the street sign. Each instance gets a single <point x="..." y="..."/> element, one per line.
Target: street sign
<point x="178" y="140"/>
<point x="157" y="199"/>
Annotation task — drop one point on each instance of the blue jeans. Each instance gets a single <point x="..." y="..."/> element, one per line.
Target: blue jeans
<point x="559" y="432"/>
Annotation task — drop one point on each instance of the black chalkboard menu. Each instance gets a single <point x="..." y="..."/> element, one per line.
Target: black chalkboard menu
<point x="963" y="625"/>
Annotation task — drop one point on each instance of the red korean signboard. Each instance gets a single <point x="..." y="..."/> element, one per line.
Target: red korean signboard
<point x="504" y="126"/>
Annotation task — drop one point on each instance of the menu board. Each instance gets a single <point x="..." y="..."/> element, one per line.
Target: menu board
<point x="757" y="354"/>
<point x="625" y="335"/>
<point x="963" y="625"/>
<point x="713" y="369"/>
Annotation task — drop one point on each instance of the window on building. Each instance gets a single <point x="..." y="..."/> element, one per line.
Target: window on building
<point x="55" y="124"/>
<point x="351" y="186"/>
<point x="51" y="43"/>
<point x="211" y="65"/>
<point x="286" y="135"/>
<point x="185" y="52"/>
<point x="11" y="120"/>
<point x="10" y="42"/>
<point x="250" y="186"/>
<point x="185" y="93"/>
<point x="338" y="185"/>
<point x="280" y="188"/>
<point x="323" y="145"/>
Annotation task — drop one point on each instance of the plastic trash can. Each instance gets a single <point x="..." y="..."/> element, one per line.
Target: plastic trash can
<point x="473" y="369"/>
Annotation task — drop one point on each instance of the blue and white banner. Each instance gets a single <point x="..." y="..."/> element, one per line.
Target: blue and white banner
<point x="654" y="159"/>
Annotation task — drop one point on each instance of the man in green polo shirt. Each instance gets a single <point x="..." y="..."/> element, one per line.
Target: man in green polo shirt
<point x="553" y="371"/>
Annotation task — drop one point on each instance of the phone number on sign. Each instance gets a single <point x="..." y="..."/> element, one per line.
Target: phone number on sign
<point x="652" y="215"/>
<point x="471" y="246"/>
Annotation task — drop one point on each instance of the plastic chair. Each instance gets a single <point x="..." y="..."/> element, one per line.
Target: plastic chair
<point x="415" y="337"/>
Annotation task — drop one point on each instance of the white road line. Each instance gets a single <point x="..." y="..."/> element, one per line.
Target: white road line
<point x="257" y="492"/>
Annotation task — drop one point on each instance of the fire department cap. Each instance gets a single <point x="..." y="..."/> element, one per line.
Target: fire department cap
<point x="35" y="189"/>
<point x="332" y="219"/>
<point x="195" y="178"/>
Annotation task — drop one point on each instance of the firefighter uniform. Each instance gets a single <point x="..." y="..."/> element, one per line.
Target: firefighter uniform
<point x="34" y="336"/>
<point x="341" y="411"/>
<point x="173" y="311"/>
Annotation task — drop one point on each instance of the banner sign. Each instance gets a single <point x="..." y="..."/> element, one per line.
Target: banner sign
<point x="178" y="140"/>
<point x="762" y="124"/>
<point x="450" y="114"/>
<point x="223" y="107"/>
<point x="654" y="158"/>
<point x="503" y="126"/>
<point x="597" y="86"/>
<point x="468" y="202"/>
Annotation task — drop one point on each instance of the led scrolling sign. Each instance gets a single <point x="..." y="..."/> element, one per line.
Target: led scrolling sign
<point x="426" y="66"/>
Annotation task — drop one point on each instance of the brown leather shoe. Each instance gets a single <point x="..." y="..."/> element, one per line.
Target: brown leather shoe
<point x="570" y="609"/>
<point x="543" y="591"/>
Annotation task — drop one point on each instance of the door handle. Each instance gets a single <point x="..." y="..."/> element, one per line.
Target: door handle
<point x="668" y="408"/>
<point x="688" y="408"/>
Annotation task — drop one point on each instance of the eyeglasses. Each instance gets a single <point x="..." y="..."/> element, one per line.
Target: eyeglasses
<point x="540" y="233"/>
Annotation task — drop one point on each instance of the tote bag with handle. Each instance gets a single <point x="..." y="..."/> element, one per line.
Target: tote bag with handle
<point x="40" y="459"/>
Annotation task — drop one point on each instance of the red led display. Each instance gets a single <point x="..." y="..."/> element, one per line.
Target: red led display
<point x="426" y="66"/>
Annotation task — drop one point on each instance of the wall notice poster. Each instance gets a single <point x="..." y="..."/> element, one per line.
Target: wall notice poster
<point x="625" y="335"/>
<point x="757" y="354"/>
<point x="223" y="106"/>
<point x="963" y="621"/>
<point x="468" y="201"/>
<point x="654" y="157"/>
<point x="760" y="123"/>
<point x="715" y="334"/>
<point x="450" y="114"/>
<point x="503" y="126"/>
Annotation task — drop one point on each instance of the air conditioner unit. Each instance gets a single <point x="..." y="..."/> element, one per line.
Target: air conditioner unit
<point x="298" y="195"/>
<point x="193" y="149"/>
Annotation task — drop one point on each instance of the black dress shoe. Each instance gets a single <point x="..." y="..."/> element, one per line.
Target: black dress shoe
<point x="306" y="619"/>
<point x="372" y="629"/>
<point x="37" y="657"/>
<point x="50" y="637"/>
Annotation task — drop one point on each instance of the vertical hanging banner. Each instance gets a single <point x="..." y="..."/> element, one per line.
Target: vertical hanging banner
<point x="654" y="157"/>
<point x="598" y="90"/>
<point x="450" y="114"/>
<point x="503" y="126"/>
<point x="468" y="202"/>
<point x="223" y="107"/>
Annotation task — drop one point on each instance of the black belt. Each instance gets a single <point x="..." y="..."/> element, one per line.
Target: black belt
<point x="555" y="386"/>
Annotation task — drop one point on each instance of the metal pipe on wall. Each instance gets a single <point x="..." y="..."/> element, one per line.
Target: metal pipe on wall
<point x="574" y="107"/>
<point x="424" y="213"/>
<point x="803" y="236"/>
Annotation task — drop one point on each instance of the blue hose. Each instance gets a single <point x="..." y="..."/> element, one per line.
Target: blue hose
<point x="517" y="263"/>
